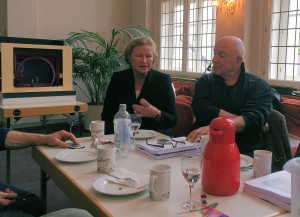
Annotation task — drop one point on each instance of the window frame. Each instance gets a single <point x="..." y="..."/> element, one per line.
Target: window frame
<point x="267" y="20"/>
<point x="183" y="73"/>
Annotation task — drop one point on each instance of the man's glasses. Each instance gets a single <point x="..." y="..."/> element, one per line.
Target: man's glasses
<point x="162" y="142"/>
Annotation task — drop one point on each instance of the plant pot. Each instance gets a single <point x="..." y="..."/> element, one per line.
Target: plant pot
<point x="93" y="113"/>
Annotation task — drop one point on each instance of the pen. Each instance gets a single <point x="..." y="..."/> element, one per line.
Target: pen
<point x="282" y="211"/>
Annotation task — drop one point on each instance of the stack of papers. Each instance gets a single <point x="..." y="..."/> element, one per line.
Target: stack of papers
<point x="275" y="188"/>
<point x="167" y="150"/>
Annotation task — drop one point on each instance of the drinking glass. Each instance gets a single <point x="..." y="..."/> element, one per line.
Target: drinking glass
<point x="136" y="121"/>
<point x="191" y="167"/>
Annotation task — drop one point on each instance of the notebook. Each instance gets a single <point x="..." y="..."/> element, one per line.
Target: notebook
<point x="275" y="188"/>
<point x="168" y="150"/>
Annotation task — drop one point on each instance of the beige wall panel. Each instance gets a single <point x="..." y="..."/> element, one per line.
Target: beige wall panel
<point x="22" y="18"/>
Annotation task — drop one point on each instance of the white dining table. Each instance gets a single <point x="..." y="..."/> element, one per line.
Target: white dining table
<point x="76" y="180"/>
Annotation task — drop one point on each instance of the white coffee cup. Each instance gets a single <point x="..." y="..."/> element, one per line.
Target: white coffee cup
<point x="160" y="180"/>
<point x="262" y="163"/>
<point x="106" y="158"/>
<point x="97" y="129"/>
<point x="203" y="142"/>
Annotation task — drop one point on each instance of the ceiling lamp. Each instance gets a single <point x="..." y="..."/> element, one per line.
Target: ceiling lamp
<point x="226" y="6"/>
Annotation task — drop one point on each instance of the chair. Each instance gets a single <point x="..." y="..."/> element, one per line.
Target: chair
<point x="297" y="152"/>
<point x="185" y="119"/>
<point x="277" y="140"/>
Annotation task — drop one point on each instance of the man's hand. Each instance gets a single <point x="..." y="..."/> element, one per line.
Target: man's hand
<point x="59" y="139"/>
<point x="195" y="135"/>
<point x="7" y="197"/>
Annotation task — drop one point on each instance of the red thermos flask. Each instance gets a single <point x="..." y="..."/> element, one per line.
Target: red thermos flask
<point x="221" y="159"/>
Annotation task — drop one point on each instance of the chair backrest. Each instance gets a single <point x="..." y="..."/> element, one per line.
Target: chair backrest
<point x="185" y="119"/>
<point x="277" y="140"/>
<point x="297" y="151"/>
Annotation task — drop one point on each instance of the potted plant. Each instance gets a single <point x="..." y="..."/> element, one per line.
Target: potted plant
<point x="95" y="59"/>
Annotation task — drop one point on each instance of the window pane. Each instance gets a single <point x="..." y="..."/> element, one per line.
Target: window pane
<point x="281" y="71"/>
<point x="283" y="38"/>
<point x="276" y="6"/>
<point x="284" y="6"/>
<point x="276" y="19"/>
<point x="283" y="20"/>
<point x="274" y="54"/>
<point x="292" y="22"/>
<point x="294" y="5"/>
<point x="292" y="39"/>
<point x="289" y="72"/>
<point x="275" y="37"/>
<point x="273" y="71"/>
<point x="281" y="54"/>
<point x="291" y="55"/>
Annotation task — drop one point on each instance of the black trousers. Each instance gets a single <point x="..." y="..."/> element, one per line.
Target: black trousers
<point x="31" y="205"/>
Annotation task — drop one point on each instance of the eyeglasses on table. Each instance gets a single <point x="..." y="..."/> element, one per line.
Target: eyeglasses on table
<point x="172" y="142"/>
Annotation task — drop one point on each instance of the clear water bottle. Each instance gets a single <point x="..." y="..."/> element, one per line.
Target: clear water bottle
<point x="122" y="124"/>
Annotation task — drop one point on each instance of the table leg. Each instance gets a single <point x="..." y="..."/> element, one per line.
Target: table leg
<point x="80" y="124"/>
<point x="8" y="157"/>
<point x="8" y="166"/>
<point x="44" y="179"/>
<point x="44" y="123"/>
<point x="8" y="125"/>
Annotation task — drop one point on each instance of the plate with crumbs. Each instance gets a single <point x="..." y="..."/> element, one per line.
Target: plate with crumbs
<point x="105" y="186"/>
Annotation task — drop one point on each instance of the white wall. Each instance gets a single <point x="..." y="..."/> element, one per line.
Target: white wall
<point x="54" y="19"/>
<point x="22" y="18"/>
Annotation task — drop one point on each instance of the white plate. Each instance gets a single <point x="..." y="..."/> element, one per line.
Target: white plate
<point x="75" y="155"/>
<point x="144" y="134"/>
<point x="105" y="186"/>
<point x="246" y="161"/>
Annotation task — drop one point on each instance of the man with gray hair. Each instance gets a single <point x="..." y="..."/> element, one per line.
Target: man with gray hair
<point x="230" y="92"/>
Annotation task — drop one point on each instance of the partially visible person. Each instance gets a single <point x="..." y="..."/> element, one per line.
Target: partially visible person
<point x="144" y="90"/>
<point x="230" y="92"/>
<point x="15" y="202"/>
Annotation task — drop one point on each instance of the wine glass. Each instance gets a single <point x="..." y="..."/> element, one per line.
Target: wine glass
<point x="191" y="167"/>
<point x="136" y="121"/>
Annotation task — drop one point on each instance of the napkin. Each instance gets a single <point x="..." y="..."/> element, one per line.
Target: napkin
<point x="142" y="180"/>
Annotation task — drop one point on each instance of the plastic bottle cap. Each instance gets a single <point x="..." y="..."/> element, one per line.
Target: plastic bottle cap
<point x="122" y="107"/>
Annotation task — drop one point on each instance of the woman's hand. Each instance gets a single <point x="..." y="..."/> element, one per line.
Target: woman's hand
<point x="145" y="109"/>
